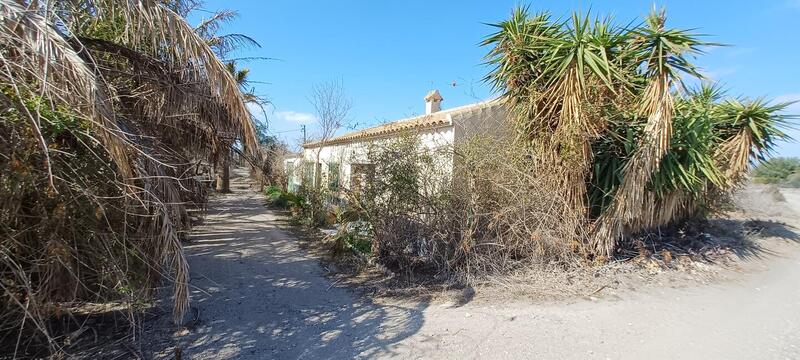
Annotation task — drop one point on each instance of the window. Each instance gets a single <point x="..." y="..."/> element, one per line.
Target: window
<point x="308" y="174"/>
<point x="333" y="176"/>
<point x="290" y="176"/>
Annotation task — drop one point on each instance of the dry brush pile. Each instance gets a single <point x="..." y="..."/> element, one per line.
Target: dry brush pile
<point x="107" y="107"/>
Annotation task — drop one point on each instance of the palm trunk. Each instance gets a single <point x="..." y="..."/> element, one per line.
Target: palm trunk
<point x="224" y="177"/>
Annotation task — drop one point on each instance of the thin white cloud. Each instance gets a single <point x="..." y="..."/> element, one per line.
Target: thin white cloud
<point x="295" y="117"/>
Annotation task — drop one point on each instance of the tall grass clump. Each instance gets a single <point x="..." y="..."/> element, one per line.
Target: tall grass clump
<point x="107" y="108"/>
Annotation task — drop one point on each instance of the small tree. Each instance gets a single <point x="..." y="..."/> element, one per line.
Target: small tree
<point x="332" y="107"/>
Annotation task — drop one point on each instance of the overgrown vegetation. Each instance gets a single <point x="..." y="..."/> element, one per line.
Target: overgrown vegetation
<point x="610" y="144"/>
<point x="108" y="109"/>
<point x="491" y="217"/>
<point x="613" y="128"/>
<point x="282" y="199"/>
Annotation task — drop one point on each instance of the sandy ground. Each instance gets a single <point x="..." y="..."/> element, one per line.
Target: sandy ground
<point x="259" y="296"/>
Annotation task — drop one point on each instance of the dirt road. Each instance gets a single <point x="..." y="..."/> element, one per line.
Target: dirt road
<point x="260" y="296"/>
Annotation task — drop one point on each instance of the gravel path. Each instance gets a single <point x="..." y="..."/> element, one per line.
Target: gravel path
<point x="260" y="296"/>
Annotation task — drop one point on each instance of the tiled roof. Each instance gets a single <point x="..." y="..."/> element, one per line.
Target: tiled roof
<point x="437" y="119"/>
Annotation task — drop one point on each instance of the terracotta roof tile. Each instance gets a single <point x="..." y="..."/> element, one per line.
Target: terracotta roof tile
<point x="437" y="119"/>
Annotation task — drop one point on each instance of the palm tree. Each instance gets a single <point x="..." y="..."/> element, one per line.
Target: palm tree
<point x="121" y="97"/>
<point x="224" y="44"/>
<point x="223" y="183"/>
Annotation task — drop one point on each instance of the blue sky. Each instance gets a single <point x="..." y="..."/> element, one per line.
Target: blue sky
<point x="388" y="54"/>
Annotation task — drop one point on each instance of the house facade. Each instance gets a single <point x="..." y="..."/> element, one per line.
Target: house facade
<point x="341" y="163"/>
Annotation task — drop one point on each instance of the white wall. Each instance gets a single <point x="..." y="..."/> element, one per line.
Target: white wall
<point x="488" y="119"/>
<point x="483" y="119"/>
<point x="355" y="152"/>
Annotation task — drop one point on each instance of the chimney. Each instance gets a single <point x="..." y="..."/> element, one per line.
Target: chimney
<point x="433" y="102"/>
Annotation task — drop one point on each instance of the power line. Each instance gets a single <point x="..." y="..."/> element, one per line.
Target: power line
<point x="287" y="131"/>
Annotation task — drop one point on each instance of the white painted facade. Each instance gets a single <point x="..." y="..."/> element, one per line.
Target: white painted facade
<point x="437" y="131"/>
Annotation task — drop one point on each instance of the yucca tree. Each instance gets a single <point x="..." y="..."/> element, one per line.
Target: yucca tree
<point x="665" y="51"/>
<point x="122" y="97"/>
<point x="601" y="105"/>
<point x="550" y="71"/>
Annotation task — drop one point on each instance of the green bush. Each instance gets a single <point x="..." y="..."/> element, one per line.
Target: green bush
<point x="276" y="197"/>
<point x="313" y="207"/>
<point x="272" y="189"/>
<point x="793" y="181"/>
<point x="777" y="171"/>
<point x="308" y="207"/>
<point x="355" y="236"/>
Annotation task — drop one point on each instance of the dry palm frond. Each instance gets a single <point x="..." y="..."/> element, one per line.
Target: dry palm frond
<point x="751" y="127"/>
<point x="666" y="49"/>
<point x="734" y="155"/>
<point x="121" y="116"/>
<point x="43" y="58"/>
<point x="149" y="24"/>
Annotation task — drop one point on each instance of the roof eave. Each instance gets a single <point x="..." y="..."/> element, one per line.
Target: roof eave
<point x="381" y="134"/>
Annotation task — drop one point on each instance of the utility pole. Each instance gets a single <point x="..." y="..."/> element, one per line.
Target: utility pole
<point x="304" y="133"/>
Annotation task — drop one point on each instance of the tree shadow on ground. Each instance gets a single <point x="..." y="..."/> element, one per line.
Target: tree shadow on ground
<point x="712" y="239"/>
<point x="745" y="237"/>
<point x="256" y="294"/>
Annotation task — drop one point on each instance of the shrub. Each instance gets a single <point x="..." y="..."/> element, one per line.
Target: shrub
<point x="793" y="181"/>
<point x="313" y="207"/>
<point x="777" y="170"/>
<point x="272" y="189"/>
<point x="495" y="215"/>
<point x="276" y="197"/>
<point x="355" y="236"/>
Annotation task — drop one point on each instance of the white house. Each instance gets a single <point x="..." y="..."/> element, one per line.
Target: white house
<point x="338" y="162"/>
